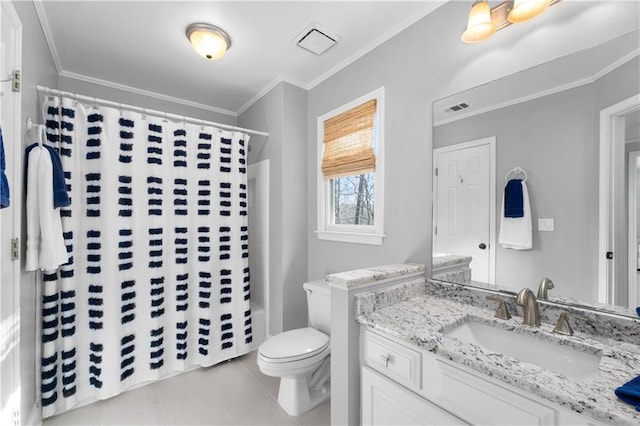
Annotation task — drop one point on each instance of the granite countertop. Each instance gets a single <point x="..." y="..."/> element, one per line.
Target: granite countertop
<point x="418" y="318"/>
<point x="361" y="277"/>
<point x="444" y="260"/>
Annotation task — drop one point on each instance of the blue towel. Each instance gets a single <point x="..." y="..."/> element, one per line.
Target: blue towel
<point x="630" y="392"/>
<point x="4" y="183"/>
<point x="513" y="201"/>
<point x="60" y="195"/>
<point x="638" y="310"/>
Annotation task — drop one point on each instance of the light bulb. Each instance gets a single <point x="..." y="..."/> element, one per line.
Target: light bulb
<point x="479" y="26"/>
<point x="523" y="10"/>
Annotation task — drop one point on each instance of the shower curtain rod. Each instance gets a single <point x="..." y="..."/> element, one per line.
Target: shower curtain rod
<point x="104" y="102"/>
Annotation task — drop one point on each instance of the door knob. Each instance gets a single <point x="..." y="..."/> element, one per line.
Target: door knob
<point x="482" y="246"/>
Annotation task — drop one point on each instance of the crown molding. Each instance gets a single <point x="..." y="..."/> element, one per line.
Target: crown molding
<point x="148" y="93"/>
<point x="429" y="7"/>
<point x="266" y="90"/>
<point x="516" y="101"/>
<point x="540" y="94"/>
<point x="48" y="36"/>
<point x="606" y="70"/>
<point x="44" y="23"/>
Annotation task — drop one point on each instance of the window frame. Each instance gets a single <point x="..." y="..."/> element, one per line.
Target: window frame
<point x="360" y="234"/>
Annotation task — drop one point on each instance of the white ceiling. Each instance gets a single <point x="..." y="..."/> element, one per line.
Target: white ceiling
<point x="141" y="45"/>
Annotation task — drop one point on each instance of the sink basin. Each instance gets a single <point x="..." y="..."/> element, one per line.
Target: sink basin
<point x="531" y="349"/>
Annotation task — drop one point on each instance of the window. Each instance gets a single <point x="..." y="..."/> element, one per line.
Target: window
<point x="350" y="178"/>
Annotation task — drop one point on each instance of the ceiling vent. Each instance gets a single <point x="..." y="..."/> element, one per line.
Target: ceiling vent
<point x="456" y="108"/>
<point x="316" y="39"/>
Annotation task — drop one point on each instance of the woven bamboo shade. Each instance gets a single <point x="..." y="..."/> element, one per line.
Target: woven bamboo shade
<point x="348" y="142"/>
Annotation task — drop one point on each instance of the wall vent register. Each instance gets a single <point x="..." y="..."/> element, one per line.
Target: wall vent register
<point x="457" y="107"/>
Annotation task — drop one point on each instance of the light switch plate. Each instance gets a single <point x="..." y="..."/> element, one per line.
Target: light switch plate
<point x="545" y="224"/>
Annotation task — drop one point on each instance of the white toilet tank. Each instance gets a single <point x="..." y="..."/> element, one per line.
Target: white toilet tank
<point x="319" y="305"/>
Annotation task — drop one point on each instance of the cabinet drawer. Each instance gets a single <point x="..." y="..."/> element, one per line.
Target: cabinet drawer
<point x="393" y="360"/>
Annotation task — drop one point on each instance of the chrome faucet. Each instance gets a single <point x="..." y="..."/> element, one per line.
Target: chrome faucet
<point x="529" y="303"/>
<point x="543" y="290"/>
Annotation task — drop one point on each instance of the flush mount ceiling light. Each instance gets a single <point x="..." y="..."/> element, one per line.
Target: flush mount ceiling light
<point x="482" y="24"/>
<point x="208" y="40"/>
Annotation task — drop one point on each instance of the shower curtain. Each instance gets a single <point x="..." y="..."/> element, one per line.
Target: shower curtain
<point x="157" y="280"/>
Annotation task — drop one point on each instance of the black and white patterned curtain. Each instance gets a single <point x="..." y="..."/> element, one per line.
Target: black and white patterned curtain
<point x="158" y="275"/>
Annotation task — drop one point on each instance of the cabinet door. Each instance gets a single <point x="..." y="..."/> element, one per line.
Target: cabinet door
<point x="385" y="402"/>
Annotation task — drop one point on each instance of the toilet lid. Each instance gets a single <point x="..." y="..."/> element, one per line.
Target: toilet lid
<point x="294" y="344"/>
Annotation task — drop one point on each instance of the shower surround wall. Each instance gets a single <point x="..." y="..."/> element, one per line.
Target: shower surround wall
<point x="282" y="112"/>
<point x="157" y="237"/>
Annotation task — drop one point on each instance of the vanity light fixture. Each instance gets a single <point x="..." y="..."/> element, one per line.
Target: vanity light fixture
<point x="479" y="26"/>
<point x="209" y="41"/>
<point x="484" y="21"/>
<point x="523" y="10"/>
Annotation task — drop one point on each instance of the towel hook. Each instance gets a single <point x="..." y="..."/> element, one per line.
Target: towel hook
<point x="516" y="170"/>
<point x="42" y="137"/>
<point x="40" y="129"/>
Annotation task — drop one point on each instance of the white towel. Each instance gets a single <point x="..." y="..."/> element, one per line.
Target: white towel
<point x="516" y="232"/>
<point x="33" y="217"/>
<point x="45" y="243"/>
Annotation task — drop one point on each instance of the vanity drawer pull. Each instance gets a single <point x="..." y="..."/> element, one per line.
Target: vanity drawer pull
<point x="384" y="360"/>
<point x="394" y="360"/>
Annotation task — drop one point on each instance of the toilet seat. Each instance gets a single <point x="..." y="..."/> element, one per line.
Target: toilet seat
<point x="294" y="345"/>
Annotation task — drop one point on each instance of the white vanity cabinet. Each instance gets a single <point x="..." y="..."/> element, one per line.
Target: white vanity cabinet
<point x="385" y="402"/>
<point x="403" y="385"/>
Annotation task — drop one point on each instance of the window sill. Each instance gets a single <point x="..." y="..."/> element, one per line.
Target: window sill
<point x="351" y="237"/>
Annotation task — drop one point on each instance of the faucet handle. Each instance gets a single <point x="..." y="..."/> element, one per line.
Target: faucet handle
<point x="501" y="312"/>
<point x="563" y="326"/>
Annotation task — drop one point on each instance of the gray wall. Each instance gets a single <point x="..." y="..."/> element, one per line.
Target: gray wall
<point x="425" y="62"/>
<point x="407" y="203"/>
<point x="556" y="140"/>
<point x="294" y="219"/>
<point x="37" y="68"/>
<point x="282" y="112"/>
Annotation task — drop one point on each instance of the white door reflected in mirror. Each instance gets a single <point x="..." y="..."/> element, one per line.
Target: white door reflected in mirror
<point x="464" y="206"/>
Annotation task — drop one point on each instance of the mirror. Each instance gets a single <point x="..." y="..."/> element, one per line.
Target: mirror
<point x="542" y="126"/>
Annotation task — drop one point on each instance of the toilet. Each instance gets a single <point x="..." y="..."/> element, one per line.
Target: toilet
<point x="301" y="357"/>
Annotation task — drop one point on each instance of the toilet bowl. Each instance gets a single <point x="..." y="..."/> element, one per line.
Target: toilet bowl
<point x="301" y="357"/>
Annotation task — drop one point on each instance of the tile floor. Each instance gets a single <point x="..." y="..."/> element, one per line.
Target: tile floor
<point x="230" y="393"/>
